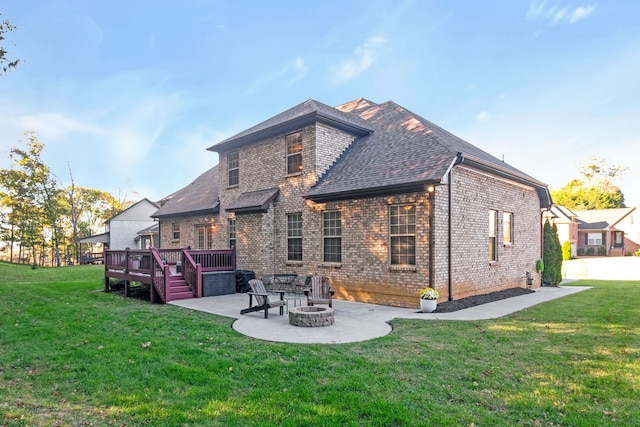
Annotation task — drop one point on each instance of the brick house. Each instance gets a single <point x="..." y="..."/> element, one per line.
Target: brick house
<point x="610" y="232"/>
<point x="375" y="197"/>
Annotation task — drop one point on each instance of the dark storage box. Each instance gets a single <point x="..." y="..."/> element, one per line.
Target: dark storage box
<point x="218" y="283"/>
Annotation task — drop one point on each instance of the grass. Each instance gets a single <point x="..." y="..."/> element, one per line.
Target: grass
<point x="72" y="355"/>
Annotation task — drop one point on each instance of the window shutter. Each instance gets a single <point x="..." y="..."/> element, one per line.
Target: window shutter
<point x="586" y="238"/>
<point x="604" y="239"/>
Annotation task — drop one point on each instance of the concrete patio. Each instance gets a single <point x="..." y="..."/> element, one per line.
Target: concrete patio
<point x="355" y="321"/>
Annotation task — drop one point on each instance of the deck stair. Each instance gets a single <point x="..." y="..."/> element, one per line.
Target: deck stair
<point x="178" y="288"/>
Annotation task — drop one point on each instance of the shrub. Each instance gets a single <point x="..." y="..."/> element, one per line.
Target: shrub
<point x="602" y="251"/>
<point x="591" y="251"/>
<point x="580" y="251"/>
<point x="566" y="250"/>
<point x="552" y="255"/>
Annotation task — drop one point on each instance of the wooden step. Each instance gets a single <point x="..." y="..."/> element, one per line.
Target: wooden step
<point x="181" y="295"/>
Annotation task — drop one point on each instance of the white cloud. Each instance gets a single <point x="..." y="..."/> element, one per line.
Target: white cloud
<point x="580" y="13"/>
<point x="299" y="68"/>
<point x="541" y="10"/>
<point x="295" y="68"/>
<point x="557" y="16"/>
<point x="483" y="116"/>
<point x="364" y="56"/>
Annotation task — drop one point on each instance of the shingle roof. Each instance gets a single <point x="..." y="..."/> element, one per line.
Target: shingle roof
<point x="253" y="201"/>
<point x="301" y="115"/>
<point x="404" y="151"/>
<point x="199" y="197"/>
<point x="601" y="219"/>
<point x="562" y="214"/>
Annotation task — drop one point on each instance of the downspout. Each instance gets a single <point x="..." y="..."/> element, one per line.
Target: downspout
<point x="450" y="238"/>
<point x="457" y="161"/>
<point x="431" y="191"/>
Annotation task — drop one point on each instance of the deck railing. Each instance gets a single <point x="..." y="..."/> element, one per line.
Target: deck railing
<point x="159" y="276"/>
<point x="215" y="259"/>
<point x="153" y="266"/>
<point x="192" y="273"/>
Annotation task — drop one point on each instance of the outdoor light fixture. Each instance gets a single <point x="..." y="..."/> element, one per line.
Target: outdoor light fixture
<point x="431" y="189"/>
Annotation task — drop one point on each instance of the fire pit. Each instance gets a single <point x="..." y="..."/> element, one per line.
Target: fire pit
<point x="311" y="317"/>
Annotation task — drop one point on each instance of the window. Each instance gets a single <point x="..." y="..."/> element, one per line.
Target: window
<point x="594" y="239"/>
<point x="233" y="165"/>
<point x="175" y="231"/>
<point x="507" y="228"/>
<point x="332" y="236"/>
<point x="402" y="233"/>
<point x="232" y="232"/>
<point x="493" y="235"/>
<point x="204" y="236"/>
<point x="294" y="237"/>
<point x="294" y="153"/>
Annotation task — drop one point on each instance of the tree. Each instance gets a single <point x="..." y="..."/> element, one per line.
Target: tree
<point x="5" y="63"/>
<point x="595" y="190"/>
<point x="37" y="213"/>
<point x="552" y="255"/>
<point x="33" y="196"/>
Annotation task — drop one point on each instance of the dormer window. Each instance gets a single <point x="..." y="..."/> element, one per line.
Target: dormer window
<point x="233" y="166"/>
<point x="294" y="153"/>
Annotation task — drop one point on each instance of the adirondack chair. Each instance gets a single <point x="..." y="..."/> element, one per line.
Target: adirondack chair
<point x="320" y="292"/>
<point x="262" y="299"/>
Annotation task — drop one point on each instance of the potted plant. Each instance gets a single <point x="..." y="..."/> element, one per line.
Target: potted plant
<point x="428" y="300"/>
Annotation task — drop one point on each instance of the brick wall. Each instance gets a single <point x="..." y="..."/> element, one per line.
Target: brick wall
<point x="187" y="231"/>
<point x="473" y="195"/>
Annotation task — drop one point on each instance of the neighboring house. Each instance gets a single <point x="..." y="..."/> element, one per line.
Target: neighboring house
<point x="567" y="224"/>
<point x="188" y="217"/>
<point x="121" y="231"/>
<point x="613" y="232"/>
<point x="372" y="195"/>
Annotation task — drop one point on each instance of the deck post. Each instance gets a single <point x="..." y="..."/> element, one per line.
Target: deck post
<point x="198" y="281"/>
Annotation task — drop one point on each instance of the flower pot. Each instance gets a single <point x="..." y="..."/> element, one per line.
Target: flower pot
<point x="428" y="305"/>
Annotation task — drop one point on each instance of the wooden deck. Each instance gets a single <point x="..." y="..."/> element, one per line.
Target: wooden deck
<point x="171" y="273"/>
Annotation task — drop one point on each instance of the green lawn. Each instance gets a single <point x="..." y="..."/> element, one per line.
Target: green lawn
<point x="72" y="355"/>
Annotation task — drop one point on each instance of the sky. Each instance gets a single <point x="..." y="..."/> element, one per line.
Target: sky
<point x="127" y="96"/>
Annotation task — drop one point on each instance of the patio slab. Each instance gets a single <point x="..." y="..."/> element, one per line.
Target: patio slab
<point x="355" y="321"/>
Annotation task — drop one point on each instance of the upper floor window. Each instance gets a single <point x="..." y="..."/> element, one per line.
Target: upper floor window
<point x="294" y="153"/>
<point x="294" y="237"/>
<point x="507" y="227"/>
<point x="175" y="231"/>
<point x="493" y="235"/>
<point x="233" y="166"/>
<point x="402" y="234"/>
<point x="332" y="236"/>
<point x="232" y="232"/>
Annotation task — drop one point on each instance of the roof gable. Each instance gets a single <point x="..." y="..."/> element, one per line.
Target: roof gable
<point x="601" y="219"/>
<point x="139" y="211"/>
<point x="199" y="197"/>
<point x="301" y="115"/>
